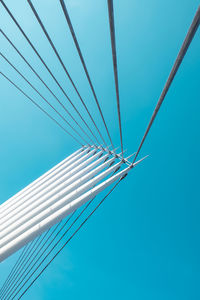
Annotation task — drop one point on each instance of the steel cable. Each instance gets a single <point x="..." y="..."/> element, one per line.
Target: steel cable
<point x="38" y="76"/>
<point x="62" y="64"/>
<point x="114" y="56"/>
<point x="10" y="275"/>
<point x="21" y="264"/>
<point x="84" y="65"/>
<point x="44" y="111"/>
<point x="16" y="280"/>
<point x="57" y="112"/>
<point x="49" y="244"/>
<point x="39" y="56"/>
<point x="188" y="39"/>
<point x="74" y="233"/>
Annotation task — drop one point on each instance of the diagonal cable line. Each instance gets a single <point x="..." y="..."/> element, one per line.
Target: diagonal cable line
<point x="45" y="65"/>
<point x="44" y="111"/>
<point x="39" y="56"/>
<point x="188" y="39"/>
<point x="84" y="65"/>
<point x="17" y="284"/>
<point x="16" y="280"/>
<point x="51" y="242"/>
<point x="60" y="60"/>
<point x="22" y="262"/>
<point x="114" y="56"/>
<point x="57" y="112"/>
<point x="182" y="52"/>
<point x="38" y="76"/>
<point x="68" y="240"/>
<point x="10" y="275"/>
<point x="27" y="252"/>
<point x="30" y="256"/>
<point x="36" y="243"/>
<point x="13" y="284"/>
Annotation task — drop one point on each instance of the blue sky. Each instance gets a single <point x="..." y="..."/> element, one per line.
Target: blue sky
<point x="143" y="243"/>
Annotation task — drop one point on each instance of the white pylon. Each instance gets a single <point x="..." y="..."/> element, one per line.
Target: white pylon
<point x="56" y="194"/>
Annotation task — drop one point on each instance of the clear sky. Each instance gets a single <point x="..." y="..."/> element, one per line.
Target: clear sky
<point x="143" y="243"/>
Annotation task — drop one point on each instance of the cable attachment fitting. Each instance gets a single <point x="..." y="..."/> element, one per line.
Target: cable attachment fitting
<point x="124" y="176"/>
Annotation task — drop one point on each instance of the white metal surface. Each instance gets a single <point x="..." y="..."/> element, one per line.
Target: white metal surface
<point x="54" y="218"/>
<point x="41" y="177"/>
<point x="36" y="207"/>
<point x="46" y="187"/>
<point x="51" y="189"/>
<point x="39" y="186"/>
<point x="53" y="196"/>
<point x="55" y="203"/>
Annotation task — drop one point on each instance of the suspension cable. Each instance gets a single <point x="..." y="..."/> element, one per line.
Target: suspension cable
<point x="22" y="271"/>
<point x="15" y="286"/>
<point x="62" y="63"/>
<point x="10" y="275"/>
<point x="50" y="243"/>
<point x="37" y="241"/>
<point x="44" y="111"/>
<point x="74" y="233"/>
<point x="41" y="59"/>
<point x="13" y="283"/>
<point x="27" y="252"/>
<point x="189" y="37"/>
<point x="114" y="56"/>
<point x="84" y="65"/>
<point x="34" y="71"/>
<point x="57" y="112"/>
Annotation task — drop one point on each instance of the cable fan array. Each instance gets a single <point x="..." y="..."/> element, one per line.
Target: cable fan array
<point x="48" y="200"/>
<point x="48" y="213"/>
